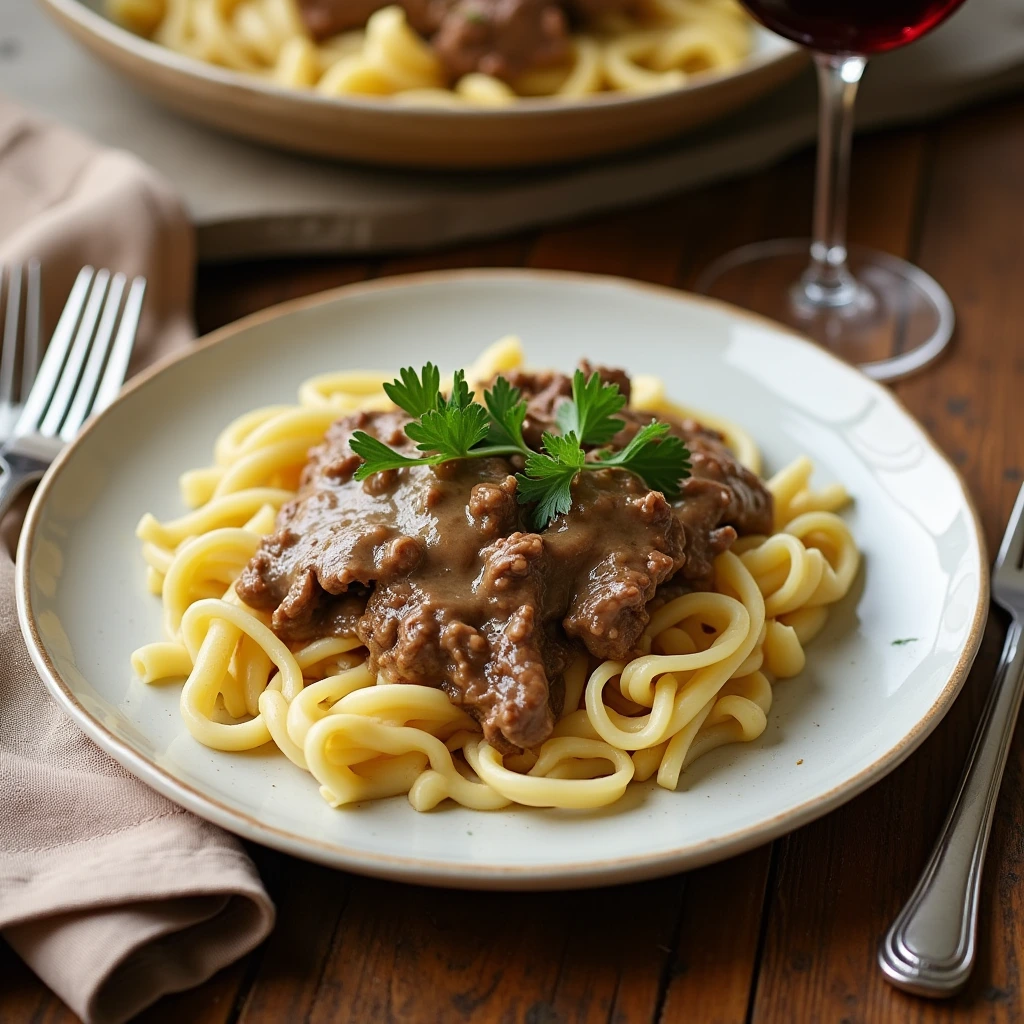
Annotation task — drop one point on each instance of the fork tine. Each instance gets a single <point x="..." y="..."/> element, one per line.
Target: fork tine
<point x="11" y="343"/>
<point x="117" y="364"/>
<point x="1009" y="558"/>
<point x="33" y="315"/>
<point x="97" y="356"/>
<point x="49" y="371"/>
<point x="65" y="390"/>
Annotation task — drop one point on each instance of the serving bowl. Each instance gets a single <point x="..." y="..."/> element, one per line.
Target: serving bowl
<point x="378" y="130"/>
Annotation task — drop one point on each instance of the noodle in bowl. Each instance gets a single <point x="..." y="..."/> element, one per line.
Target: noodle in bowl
<point x="669" y="43"/>
<point x="403" y="116"/>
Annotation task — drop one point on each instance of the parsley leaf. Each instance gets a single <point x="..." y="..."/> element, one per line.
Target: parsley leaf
<point x="659" y="458"/>
<point x="591" y="413"/>
<point x="461" y="397"/>
<point x="451" y="431"/>
<point x="549" y="476"/>
<point x="508" y="412"/>
<point x="377" y="456"/>
<point x="415" y="393"/>
<point x="458" y="428"/>
<point x="564" y="448"/>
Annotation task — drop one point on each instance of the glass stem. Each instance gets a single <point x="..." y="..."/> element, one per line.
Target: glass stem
<point x="827" y="283"/>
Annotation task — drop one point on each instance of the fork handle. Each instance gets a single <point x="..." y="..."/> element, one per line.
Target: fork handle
<point x="16" y="473"/>
<point x="930" y="948"/>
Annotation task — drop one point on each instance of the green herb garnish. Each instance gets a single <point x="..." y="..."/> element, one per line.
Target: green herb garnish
<point x="656" y="456"/>
<point x="591" y="413"/>
<point x="458" y="428"/>
<point x="454" y="427"/>
<point x="549" y="476"/>
<point x="508" y="412"/>
<point x="416" y="393"/>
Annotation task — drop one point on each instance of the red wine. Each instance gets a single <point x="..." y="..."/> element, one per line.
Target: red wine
<point x="851" y="26"/>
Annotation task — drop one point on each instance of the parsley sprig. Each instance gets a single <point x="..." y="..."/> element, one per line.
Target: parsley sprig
<point x="457" y="427"/>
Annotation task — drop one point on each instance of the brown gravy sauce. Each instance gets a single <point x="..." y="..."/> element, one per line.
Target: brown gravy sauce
<point x="439" y="575"/>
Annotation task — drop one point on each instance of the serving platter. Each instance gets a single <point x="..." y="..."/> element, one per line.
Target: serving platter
<point x="879" y="678"/>
<point x="377" y="130"/>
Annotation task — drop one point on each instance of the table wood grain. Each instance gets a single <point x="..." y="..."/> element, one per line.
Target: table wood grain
<point x="787" y="932"/>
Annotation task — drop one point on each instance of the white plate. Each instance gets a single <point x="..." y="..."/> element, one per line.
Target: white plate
<point x="860" y="707"/>
<point x="379" y="130"/>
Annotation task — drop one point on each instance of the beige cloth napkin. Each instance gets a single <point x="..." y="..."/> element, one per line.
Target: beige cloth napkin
<point x="112" y="894"/>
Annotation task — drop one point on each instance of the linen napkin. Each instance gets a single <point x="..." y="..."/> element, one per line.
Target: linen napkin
<point x="112" y="894"/>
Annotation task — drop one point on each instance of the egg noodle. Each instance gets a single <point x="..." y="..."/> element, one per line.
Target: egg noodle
<point x="670" y="42"/>
<point x="705" y="677"/>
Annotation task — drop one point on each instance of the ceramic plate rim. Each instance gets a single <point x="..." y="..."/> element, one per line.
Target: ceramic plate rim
<point x="483" y="876"/>
<point x="116" y="35"/>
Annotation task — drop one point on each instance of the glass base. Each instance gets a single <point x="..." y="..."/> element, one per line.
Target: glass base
<point x="888" y="317"/>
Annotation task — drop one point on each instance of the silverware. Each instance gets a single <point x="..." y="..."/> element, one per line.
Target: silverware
<point x="81" y="373"/>
<point x="20" y="339"/>
<point x="930" y="948"/>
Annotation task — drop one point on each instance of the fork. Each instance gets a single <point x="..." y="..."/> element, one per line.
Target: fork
<point x="20" y="338"/>
<point x="931" y="946"/>
<point x="81" y="373"/>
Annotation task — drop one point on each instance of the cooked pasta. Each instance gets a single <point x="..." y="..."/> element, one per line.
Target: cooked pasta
<point x="705" y="676"/>
<point x="656" y="46"/>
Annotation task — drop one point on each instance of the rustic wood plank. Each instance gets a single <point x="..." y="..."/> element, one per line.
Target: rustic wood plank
<point x="228" y="291"/>
<point x="672" y="242"/>
<point x="646" y="244"/>
<point x="617" y="959"/>
<point x="211" y="1003"/>
<point x="838" y="892"/>
<point x="888" y="169"/>
<point x="502" y="252"/>
<point x="972" y="241"/>
<point x="225" y="292"/>
<point x="310" y="900"/>
<point x="712" y="970"/>
<point x="409" y="954"/>
<point x="886" y="180"/>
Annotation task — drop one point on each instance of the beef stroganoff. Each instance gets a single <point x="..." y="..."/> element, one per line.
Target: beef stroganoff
<point x="453" y="52"/>
<point x="509" y="587"/>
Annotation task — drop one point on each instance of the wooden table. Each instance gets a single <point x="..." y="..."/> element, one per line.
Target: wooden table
<point x="788" y="932"/>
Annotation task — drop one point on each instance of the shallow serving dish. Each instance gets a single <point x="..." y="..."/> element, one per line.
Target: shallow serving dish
<point x="529" y="132"/>
<point x="861" y="706"/>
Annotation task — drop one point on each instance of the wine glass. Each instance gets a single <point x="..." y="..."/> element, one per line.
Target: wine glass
<point x="857" y="302"/>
